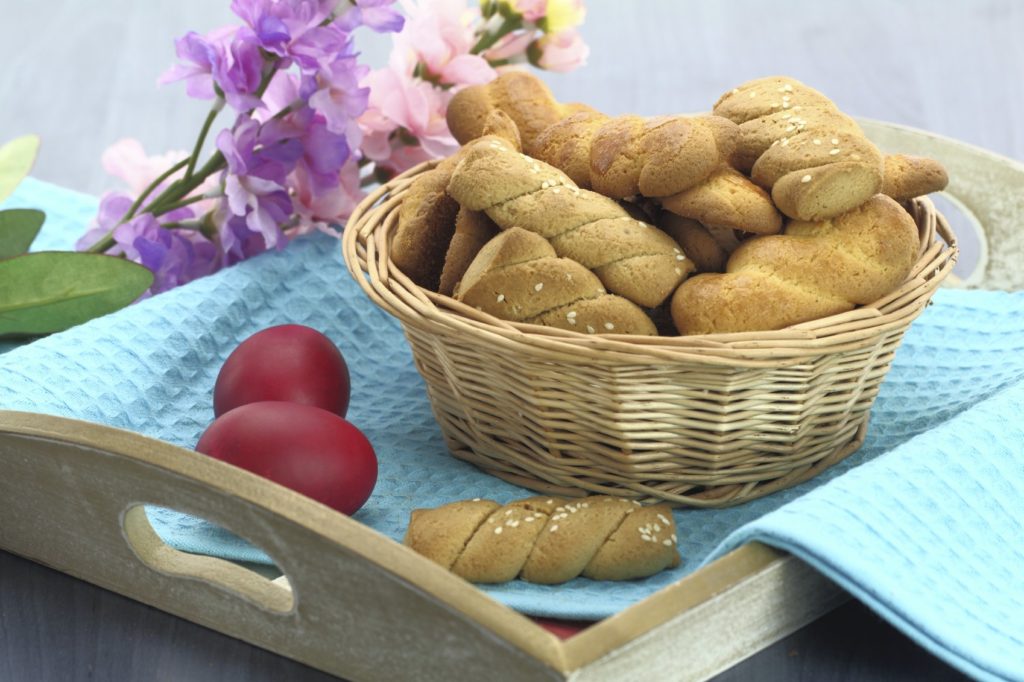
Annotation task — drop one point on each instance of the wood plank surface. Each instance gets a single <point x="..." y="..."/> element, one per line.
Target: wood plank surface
<point x="83" y="75"/>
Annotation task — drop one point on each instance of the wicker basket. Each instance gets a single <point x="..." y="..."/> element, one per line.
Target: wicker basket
<point x="702" y="421"/>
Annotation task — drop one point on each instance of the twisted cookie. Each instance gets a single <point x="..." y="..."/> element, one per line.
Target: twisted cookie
<point x="427" y="217"/>
<point x="517" y="276"/>
<point x="622" y="156"/>
<point x="631" y="258"/>
<point x="546" y="540"/>
<point x="814" y="270"/>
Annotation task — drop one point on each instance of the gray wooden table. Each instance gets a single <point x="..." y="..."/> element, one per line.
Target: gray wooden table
<point x="83" y="75"/>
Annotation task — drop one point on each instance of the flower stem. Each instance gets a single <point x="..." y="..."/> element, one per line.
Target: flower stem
<point x="183" y="225"/>
<point x="489" y="39"/>
<point x="218" y="104"/>
<point x="167" y="208"/>
<point x="152" y="186"/>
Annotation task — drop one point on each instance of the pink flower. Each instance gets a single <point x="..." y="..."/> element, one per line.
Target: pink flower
<point x="319" y="208"/>
<point x="511" y="46"/>
<point x="439" y="34"/>
<point x="397" y="100"/>
<point x="532" y="10"/>
<point x="563" y="51"/>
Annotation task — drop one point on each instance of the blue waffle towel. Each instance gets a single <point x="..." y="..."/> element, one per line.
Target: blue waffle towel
<point x="925" y="523"/>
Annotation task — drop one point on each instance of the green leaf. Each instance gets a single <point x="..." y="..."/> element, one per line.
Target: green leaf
<point x="18" y="227"/>
<point x="46" y="292"/>
<point x="16" y="159"/>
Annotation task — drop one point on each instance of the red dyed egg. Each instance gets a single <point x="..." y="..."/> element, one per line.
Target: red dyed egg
<point x="308" y="449"/>
<point x="290" y="362"/>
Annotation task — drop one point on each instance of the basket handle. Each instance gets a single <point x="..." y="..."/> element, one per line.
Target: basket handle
<point x="985" y="186"/>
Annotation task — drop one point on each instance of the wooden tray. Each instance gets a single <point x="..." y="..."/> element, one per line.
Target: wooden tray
<point x="356" y="604"/>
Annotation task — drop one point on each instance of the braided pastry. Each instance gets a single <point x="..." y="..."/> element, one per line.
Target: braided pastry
<point x="813" y="270"/>
<point x="427" y="216"/>
<point x="907" y="177"/>
<point x="546" y="540"/>
<point x="625" y="155"/>
<point x="631" y="258"/>
<point x="795" y="142"/>
<point x="517" y="276"/>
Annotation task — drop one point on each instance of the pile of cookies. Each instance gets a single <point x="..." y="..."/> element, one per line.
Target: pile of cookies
<point x="556" y="214"/>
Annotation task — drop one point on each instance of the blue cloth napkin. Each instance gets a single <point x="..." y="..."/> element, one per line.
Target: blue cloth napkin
<point x="925" y="523"/>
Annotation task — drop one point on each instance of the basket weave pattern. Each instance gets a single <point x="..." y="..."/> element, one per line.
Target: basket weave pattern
<point x="705" y="421"/>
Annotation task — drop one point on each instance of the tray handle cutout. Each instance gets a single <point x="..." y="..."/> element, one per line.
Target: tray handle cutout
<point x="270" y="595"/>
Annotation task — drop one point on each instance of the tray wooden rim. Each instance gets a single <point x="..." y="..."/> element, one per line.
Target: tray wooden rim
<point x="600" y="640"/>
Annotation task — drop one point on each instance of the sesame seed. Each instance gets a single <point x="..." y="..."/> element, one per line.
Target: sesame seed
<point x="657" y="528"/>
<point x="646" y="538"/>
<point x="806" y="178"/>
<point x="787" y="87"/>
<point x="550" y="502"/>
<point x="667" y="543"/>
<point x="663" y="519"/>
<point x="512" y="523"/>
<point x="676" y="249"/>
<point x="609" y="326"/>
<point x="790" y="128"/>
<point x="497" y="531"/>
<point x="538" y="286"/>
<point x="530" y="519"/>
<point x="674" y="538"/>
<point x="535" y="170"/>
<point x="680" y="257"/>
<point x="753" y="94"/>
<point x="501" y="298"/>
<point x="835" y="140"/>
<point x="855" y="157"/>
<point x="735" y="91"/>
<point x="476" y="499"/>
<point x="636" y="502"/>
<point x="545" y="184"/>
<point x="787" y="117"/>
<point x="817" y="141"/>
<point x="508" y="512"/>
<point x="785" y="105"/>
<point x="678" y="271"/>
<point x="833" y="152"/>
<point x="556" y="190"/>
<point x="590" y="330"/>
<point x="553" y="528"/>
<point x="785" y="141"/>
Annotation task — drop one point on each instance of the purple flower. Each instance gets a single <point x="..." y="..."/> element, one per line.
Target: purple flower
<point x="200" y="54"/>
<point x="113" y="207"/>
<point x="238" y="242"/>
<point x="228" y="59"/>
<point x="173" y="256"/>
<point x="259" y="159"/>
<point x="278" y="24"/>
<point x="375" y="14"/>
<point x="340" y="99"/>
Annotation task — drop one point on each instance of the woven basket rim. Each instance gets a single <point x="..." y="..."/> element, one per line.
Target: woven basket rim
<point x="365" y="245"/>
